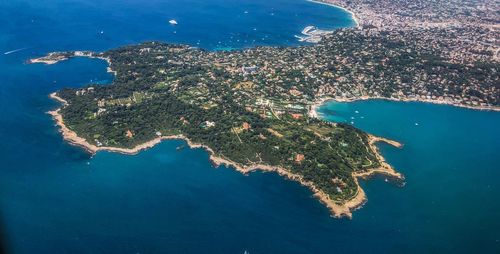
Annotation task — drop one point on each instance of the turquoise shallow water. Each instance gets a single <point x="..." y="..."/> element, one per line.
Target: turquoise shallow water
<point x="451" y="162"/>
<point x="55" y="198"/>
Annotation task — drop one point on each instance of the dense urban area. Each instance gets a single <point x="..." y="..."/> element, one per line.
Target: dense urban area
<point x="463" y="31"/>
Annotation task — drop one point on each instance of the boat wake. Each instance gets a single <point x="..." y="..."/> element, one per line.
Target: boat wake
<point x="14" y="51"/>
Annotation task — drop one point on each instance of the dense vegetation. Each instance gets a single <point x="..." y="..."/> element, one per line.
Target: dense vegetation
<point x="250" y="106"/>
<point x="154" y="96"/>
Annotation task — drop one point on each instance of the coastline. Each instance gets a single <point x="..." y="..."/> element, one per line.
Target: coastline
<point x="317" y="103"/>
<point x="46" y="61"/>
<point x="385" y="168"/>
<point x="337" y="208"/>
<point x="353" y="15"/>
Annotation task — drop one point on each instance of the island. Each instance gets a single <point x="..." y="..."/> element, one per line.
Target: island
<point x="255" y="109"/>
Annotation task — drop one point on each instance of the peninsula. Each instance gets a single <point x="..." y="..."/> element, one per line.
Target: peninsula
<point x="255" y="108"/>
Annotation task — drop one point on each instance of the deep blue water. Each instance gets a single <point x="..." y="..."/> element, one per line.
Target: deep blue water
<point x="55" y="198"/>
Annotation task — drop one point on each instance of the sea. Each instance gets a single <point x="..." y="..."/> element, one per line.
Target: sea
<point x="56" y="198"/>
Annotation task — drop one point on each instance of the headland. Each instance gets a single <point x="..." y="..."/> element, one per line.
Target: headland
<point x="251" y="109"/>
<point x="337" y="209"/>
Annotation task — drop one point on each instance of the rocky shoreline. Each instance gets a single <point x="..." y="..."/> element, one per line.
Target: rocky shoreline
<point x="337" y="208"/>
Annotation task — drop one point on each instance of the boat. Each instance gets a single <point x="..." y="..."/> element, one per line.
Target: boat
<point x="173" y="22"/>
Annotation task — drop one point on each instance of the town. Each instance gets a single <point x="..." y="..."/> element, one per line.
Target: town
<point x="465" y="31"/>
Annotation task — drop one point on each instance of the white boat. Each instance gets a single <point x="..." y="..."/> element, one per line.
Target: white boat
<point x="173" y="22"/>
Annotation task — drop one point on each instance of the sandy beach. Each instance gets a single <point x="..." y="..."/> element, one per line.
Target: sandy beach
<point x="353" y="16"/>
<point x="321" y="101"/>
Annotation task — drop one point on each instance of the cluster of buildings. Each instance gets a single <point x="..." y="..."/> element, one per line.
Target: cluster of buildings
<point x="347" y="64"/>
<point x="436" y="51"/>
<point x="467" y="30"/>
